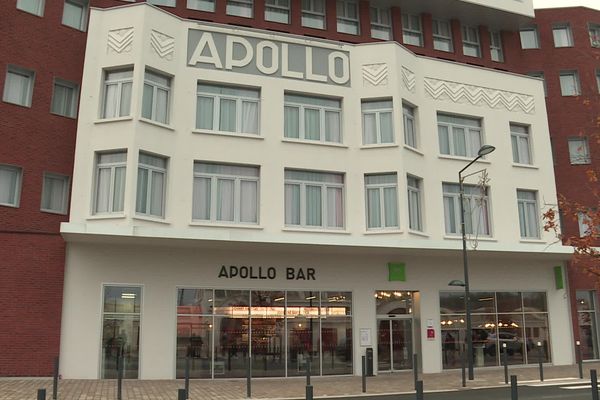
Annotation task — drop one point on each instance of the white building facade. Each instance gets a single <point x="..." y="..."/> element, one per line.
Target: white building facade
<point x="239" y="192"/>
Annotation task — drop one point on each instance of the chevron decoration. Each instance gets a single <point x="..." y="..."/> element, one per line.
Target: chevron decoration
<point x="479" y="96"/>
<point x="375" y="74"/>
<point x="120" y="40"/>
<point x="408" y="77"/>
<point x="163" y="45"/>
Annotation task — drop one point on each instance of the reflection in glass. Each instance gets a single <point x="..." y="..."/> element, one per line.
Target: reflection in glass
<point x="268" y="357"/>
<point x="231" y="346"/>
<point x="453" y="340"/>
<point x="393" y="302"/>
<point x="402" y="343"/>
<point x="452" y="302"/>
<point x="336" y="337"/>
<point x="484" y="340"/>
<point x="483" y="302"/>
<point x="336" y="303"/>
<point x="510" y="333"/>
<point x="194" y="341"/>
<point x="586" y="316"/>
<point x="303" y="345"/>
<point x="384" y="348"/>
<point x="536" y="331"/>
<point x="534" y="302"/>
<point x="509" y="302"/>
<point x="194" y="301"/>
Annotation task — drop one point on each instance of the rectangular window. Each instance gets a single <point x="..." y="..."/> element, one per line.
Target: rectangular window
<point x="459" y="136"/>
<point x="595" y="35"/>
<point x="201" y="5"/>
<point x="519" y="137"/>
<point x="442" y="35"/>
<point x="277" y="11"/>
<point x="381" y="193"/>
<point x="588" y="323"/>
<point x="579" y="152"/>
<point x="18" y="86"/>
<point x="477" y="218"/>
<point x="151" y="185"/>
<point x="528" y="214"/>
<point x="227" y="108"/>
<point x="31" y="6"/>
<point x="167" y="3"/>
<point x="109" y="193"/>
<point x="55" y="193"/>
<point x="585" y="219"/>
<point x="471" y="46"/>
<point x="496" y="51"/>
<point x="529" y="38"/>
<point x="117" y="93"/>
<point x="121" y="314"/>
<point x="569" y="83"/>
<point x="598" y="79"/>
<point x="314" y="199"/>
<point x="377" y="121"/>
<point x="410" y="126"/>
<point x="538" y="74"/>
<point x="312" y="118"/>
<point x="562" y="35"/>
<point x="240" y="8"/>
<point x="347" y="17"/>
<point x="415" y="195"/>
<point x="381" y="23"/>
<point x="75" y="14"/>
<point x="157" y="93"/>
<point x="10" y="185"/>
<point x="64" y="98"/>
<point x="225" y="193"/>
<point x="313" y="14"/>
<point x="412" y="31"/>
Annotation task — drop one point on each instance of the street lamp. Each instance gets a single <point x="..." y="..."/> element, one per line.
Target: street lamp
<point x="485" y="149"/>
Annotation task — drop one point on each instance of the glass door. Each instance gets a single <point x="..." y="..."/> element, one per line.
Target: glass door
<point x="395" y="344"/>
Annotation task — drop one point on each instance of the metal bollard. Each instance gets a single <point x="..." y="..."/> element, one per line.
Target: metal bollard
<point x="181" y="394"/>
<point x="249" y="377"/>
<point x="119" y="376"/>
<point x="580" y="360"/>
<point x="55" y="380"/>
<point x="41" y="394"/>
<point x="308" y="371"/>
<point x="539" y="344"/>
<point x="309" y="392"/>
<point x="419" y="390"/>
<point x="416" y="368"/>
<point x="505" y="362"/>
<point x="364" y="374"/>
<point x="514" y="392"/>
<point x="594" y="379"/>
<point x="463" y="368"/>
<point x="187" y="377"/>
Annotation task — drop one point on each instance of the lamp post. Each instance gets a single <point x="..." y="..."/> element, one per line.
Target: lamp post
<point x="485" y="149"/>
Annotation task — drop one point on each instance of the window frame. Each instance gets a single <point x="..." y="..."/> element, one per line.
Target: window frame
<point x="566" y="27"/>
<point x="192" y="5"/>
<point x="324" y="197"/>
<point x="468" y="199"/>
<point x="529" y="206"/>
<point x="415" y="192"/>
<point x="405" y="119"/>
<point x="439" y="37"/>
<point x="237" y="193"/>
<point x="111" y="190"/>
<point x="119" y="97"/>
<point x="275" y="6"/>
<point x="41" y="5"/>
<point x="23" y="72"/>
<point x="594" y="33"/>
<point x="471" y="42"/>
<point x="576" y="159"/>
<point x="410" y="31"/>
<point x="344" y="17"/>
<point x="575" y="76"/>
<point x="378" y="22"/>
<point x="65" y="195"/>
<point x="164" y="3"/>
<point x="16" y="201"/>
<point x="519" y="137"/>
<point x="377" y="113"/>
<point x="72" y="112"/>
<point x="313" y="14"/>
<point x="323" y="110"/>
<point x="156" y="86"/>
<point x="496" y="47"/>
<point x="241" y="4"/>
<point x="85" y="9"/>
<point x="380" y="187"/>
<point x="469" y="150"/>
<point x="151" y="170"/>
<point x="532" y="30"/>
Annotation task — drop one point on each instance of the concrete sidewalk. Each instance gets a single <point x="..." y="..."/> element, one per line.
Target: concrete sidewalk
<point x="275" y="388"/>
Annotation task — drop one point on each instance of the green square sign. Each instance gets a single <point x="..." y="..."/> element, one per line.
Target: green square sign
<point x="558" y="277"/>
<point x="396" y="272"/>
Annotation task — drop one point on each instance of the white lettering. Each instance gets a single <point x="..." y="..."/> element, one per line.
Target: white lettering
<point x="231" y="62"/>
<point x="213" y="58"/>
<point x="309" y="68"/>
<point x="284" y="64"/>
<point x="345" y="73"/>
<point x="260" y="62"/>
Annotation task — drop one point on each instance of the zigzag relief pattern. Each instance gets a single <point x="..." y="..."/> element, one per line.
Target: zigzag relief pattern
<point x="408" y="77"/>
<point x="120" y="40"/>
<point x="163" y="45"/>
<point x="479" y="96"/>
<point x="375" y="74"/>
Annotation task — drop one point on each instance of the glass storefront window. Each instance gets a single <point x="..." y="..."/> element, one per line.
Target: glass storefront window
<point x="534" y="302"/>
<point x="452" y="302"/>
<point x="194" y="301"/>
<point x="121" y="331"/>
<point x="336" y="303"/>
<point x="483" y="302"/>
<point x="194" y="341"/>
<point x="267" y="333"/>
<point x="587" y="321"/>
<point x="509" y="302"/>
<point x="536" y="331"/>
<point x="336" y="342"/>
<point x="393" y="302"/>
<point x="511" y="334"/>
<point x="484" y="340"/>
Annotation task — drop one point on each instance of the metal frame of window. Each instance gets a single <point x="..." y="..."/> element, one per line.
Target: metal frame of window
<point x="200" y="5"/>
<point x="239" y="99"/>
<point x="496" y="51"/>
<point x="471" y="41"/>
<point x="594" y="31"/>
<point x="28" y="93"/>
<point x="381" y="23"/>
<point x="112" y="166"/>
<point x="471" y="204"/>
<point x="517" y="139"/>
<point x="410" y="135"/>
<point x="277" y="6"/>
<point x="414" y="190"/>
<point x="529" y="208"/>
<point x="242" y="4"/>
<point x="322" y="120"/>
<point x="311" y="12"/>
<point x="17" y="197"/>
<point x="343" y="11"/>
<point x="152" y="169"/>
<point x="39" y="7"/>
<point x="71" y="112"/>
<point x="156" y="86"/>
<point x="65" y="193"/>
<point x="568" y="34"/>
<point x="377" y="113"/>
<point x="119" y="95"/>
<point x="582" y="157"/>
<point x="84" y="5"/>
<point x="469" y="130"/>
<point x="530" y="33"/>
<point x="440" y="37"/>
<point x="409" y="30"/>
<point x="575" y="77"/>
<point x="381" y="188"/>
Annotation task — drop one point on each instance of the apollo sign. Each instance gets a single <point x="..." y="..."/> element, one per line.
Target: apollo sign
<point x="250" y="55"/>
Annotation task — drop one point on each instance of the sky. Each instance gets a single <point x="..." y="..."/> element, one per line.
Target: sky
<point x="566" y="3"/>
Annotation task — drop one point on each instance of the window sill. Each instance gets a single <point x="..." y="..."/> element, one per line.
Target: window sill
<point x="460" y="158"/>
<point x="151" y="219"/>
<point x="229" y="134"/>
<point x="315" y="143"/>
<point x="149" y="121"/>
<point x="383" y="231"/>
<point x="527" y="166"/>
<point x="54" y="212"/>
<point x="17" y="104"/>
<point x="221" y="225"/>
<point x="534" y="241"/>
<point x="379" y="146"/>
<point x="418" y="233"/>
<point x="74" y="118"/>
<point x="106" y="216"/>
<point x="580" y="163"/>
<point x="316" y="230"/>
<point x="414" y="150"/>
<point x="9" y="205"/>
<point x="117" y="119"/>
<point x="480" y="239"/>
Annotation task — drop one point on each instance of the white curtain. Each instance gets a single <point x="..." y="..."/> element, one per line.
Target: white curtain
<point x="474" y="142"/>
<point x="444" y="140"/>
<point x="561" y="37"/>
<point x="459" y="141"/>
<point x="248" y="201"/>
<point x="204" y="113"/>
<point x="314" y="206"/>
<point x="291" y="122"/>
<point x="162" y="106"/>
<point x="103" y="190"/>
<point x="73" y="15"/>
<point x="62" y="100"/>
<point x="450" y="215"/>
<point x="228" y="115"/>
<point x="335" y="207"/>
<point x="110" y="101"/>
<point x="125" y="105"/>
<point x="373" y="208"/>
<point x="414" y="210"/>
<point x="225" y="199"/>
<point x="17" y="87"/>
<point x="119" y="190"/>
<point x="292" y="204"/>
<point x="523" y="143"/>
<point x="369" y="128"/>
<point x="157" y="194"/>
<point x="249" y="117"/>
<point x="141" y="203"/>
<point x="8" y="186"/>
<point x="333" y="133"/>
<point x="390" y="204"/>
<point x="201" y="198"/>
<point x="387" y="129"/>
<point x="32" y="6"/>
<point x="147" y="101"/>
<point x="523" y="219"/>
<point x="312" y="124"/>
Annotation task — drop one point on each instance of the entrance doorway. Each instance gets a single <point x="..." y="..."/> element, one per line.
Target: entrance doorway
<point x="395" y="344"/>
